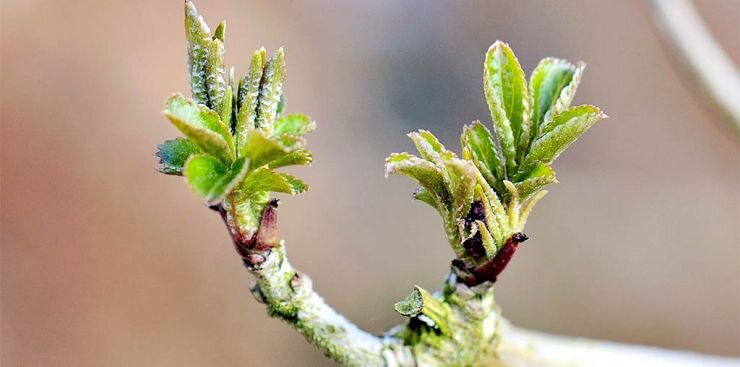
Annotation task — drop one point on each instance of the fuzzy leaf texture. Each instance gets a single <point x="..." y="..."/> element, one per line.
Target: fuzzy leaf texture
<point x="504" y="170"/>
<point x="211" y="178"/>
<point x="173" y="154"/>
<point x="235" y="135"/>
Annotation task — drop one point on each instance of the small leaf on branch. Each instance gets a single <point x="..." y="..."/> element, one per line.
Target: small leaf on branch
<point x="264" y="179"/>
<point x="201" y="125"/>
<point x="507" y="96"/>
<point x="212" y="179"/>
<point x="564" y="129"/>
<point x="294" y="124"/>
<point x="271" y="88"/>
<point x="173" y="154"/>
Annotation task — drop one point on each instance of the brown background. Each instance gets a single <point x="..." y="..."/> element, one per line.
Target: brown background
<point x="107" y="263"/>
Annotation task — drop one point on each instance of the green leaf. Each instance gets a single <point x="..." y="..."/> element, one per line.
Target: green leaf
<point x="299" y="157"/>
<point x="426" y="174"/>
<point x="201" y="125"/>
<point x="248" y="96"/>
<point x="262" y="150"/>
<point x="427" y="144"/>
<point x="294" y="124"/>
<point x="528" y="205"/>
<point x="461" y="176"/>
<point x="552" y="121"/>
<point x="425" y="196"/>
<point x="281" y="104"/>
<point x="173" y="154"/>
<point x="506" y="91"/>
<point x="546" y="82"/>
<point x="568" y="93"/>
<point x="211" y="178"/>
<point x="271" y="88"/>
<point x="214" y="69"/>
<point x="198" y="36"/>
<point x="536" y="178"/>
<point x="226" y="107"/>
<point x="220" y="32"/>
<point x="479" y="142"/>
<point x="264" y="179"/>
<point x="566" y="128"/>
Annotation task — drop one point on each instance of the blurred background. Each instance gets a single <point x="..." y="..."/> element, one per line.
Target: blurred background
<point x="105" y="262"/>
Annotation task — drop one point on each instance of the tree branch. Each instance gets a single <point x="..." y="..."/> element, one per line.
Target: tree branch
<point x="700" y="54"/>
<point x="524" y="348"/>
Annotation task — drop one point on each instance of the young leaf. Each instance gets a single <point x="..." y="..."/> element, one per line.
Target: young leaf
<point x="552" y="121"/>
<point x="294" y="124"/>
<point x="533" y="178"/>
<point x="248" y="96"/>
<point x="299" y="157"/>
<point x="528" y="205"/>
<point x="220" y="32"/>
<point x="198" y="36"/>
<point x="425" y="196"/>
<point x="264" y="179"/>
<point x="426" y="174"/>
<point x="271" y="88"/>
<point x="567" y="128"/>
<point x="173" y="154"/>
<point x="226" y="108"/>
<point x="214" y="69"/>
<point x="479" y="142"/>
<point x="506" y="91"/>
<point x="461" y="178"/>
<point x="200" y="125"/>
<point x="211" y="178"/>
<point x="262" y="150"/>
<point x="427" y="144"/>
<point x="569" y="92"/>
<point x="546" y="82"/>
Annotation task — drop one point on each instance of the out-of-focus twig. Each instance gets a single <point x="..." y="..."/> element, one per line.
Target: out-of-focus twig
<point x="701" y="55"/>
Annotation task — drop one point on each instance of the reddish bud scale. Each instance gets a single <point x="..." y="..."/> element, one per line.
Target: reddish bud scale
<point x="490" y="270"/>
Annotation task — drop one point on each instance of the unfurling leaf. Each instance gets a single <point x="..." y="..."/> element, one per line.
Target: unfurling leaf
<point x="201" y="125"/>
<point x="212" y="179"/>
<point x="533" y="179"/>
<point x="299" y="157"/>
<point x="271" y="88"/>
<point x="425" y="196"/>
<point x="262" y="150"/>
<point x="215" y="81"/>
<point x="508" y="99"/>
<point x="426" y="174"/>
<point x="264" y="179"/>
<point x="198" y="36"/>
<point x="173" y="154"/>
<point x="568" y="93"/>
<point x="428" y="146"/>
<point x="294" y="124"/>
<point x="548" y="79"/>
<point x="247" y="98"/>
<point x="461" y="178"/>
<point x="479" y="142"/>
<point x="562" y="130"/>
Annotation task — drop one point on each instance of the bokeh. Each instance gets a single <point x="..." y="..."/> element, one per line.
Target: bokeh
<point x="105" y="262"/>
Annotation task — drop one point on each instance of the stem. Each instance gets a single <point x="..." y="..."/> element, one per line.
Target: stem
<point x="289" y="295"/>
<point x="524" y="348"/>
<point x="701" y="55"/>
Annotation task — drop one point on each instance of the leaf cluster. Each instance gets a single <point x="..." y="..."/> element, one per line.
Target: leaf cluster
<point x="235" y="132"/>
<point x="485" y="195"/>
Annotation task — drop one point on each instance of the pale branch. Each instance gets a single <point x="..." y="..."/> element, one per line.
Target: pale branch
<point x="289" y="295"/>
<point x="525" y="348"/>
<point x="700" y="55"/>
